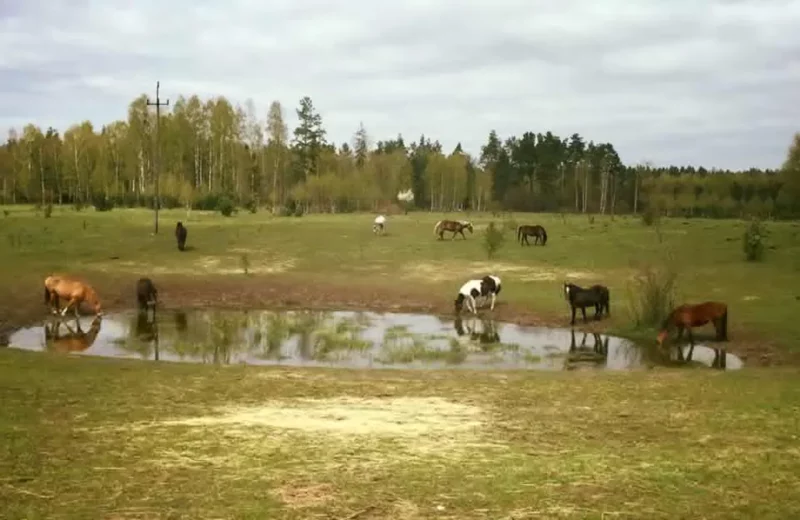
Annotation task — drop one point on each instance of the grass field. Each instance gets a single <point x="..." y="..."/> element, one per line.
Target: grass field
<point x="101" y="438"/>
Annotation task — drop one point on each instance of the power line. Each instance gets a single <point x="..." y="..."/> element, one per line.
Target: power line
<point x="158" y="104"/>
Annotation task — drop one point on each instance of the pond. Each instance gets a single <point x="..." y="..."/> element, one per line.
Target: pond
<point x="339" y="338"/>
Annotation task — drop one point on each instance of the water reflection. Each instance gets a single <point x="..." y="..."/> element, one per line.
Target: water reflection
<point x="582" y="355"/>
<point x="73" y="339"/>
<point x="711" y="357"/>
<point x="352" y="339"/>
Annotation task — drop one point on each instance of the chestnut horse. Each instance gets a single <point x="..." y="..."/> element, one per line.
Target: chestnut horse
<point x="537" y="232"/>
<point x="75" y="340"/>
<point x="73" y="291"/>
<point x="687" y="316"/>
<point x="454" y="226"/>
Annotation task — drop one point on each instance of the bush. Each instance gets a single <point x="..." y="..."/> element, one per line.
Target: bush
<point x="102" y="203"/>
<point x="225" y="206"/>
<point x="753" y="241"/>
<point x="48" y="210"/>
<point x="649" y="216"/>
<point x="510" y="224"/>
<point x="492" y="239"/>
<point x="654" y="295"/>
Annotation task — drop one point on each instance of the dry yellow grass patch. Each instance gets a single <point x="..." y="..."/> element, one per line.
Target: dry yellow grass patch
<point x="300" y="496"/>
<point x="396" y="417"/>
<point x="202" y="266"/>
<point x="442" y="271"/>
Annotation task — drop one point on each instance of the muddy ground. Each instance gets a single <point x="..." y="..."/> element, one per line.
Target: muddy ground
<point x="25" y="306"/>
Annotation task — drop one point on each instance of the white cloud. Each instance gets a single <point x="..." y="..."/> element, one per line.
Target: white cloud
<point x="710" y="83"/>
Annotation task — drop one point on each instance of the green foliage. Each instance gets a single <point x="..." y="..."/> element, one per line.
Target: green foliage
<point x="101" y="203"/>
<point x="510" y="224"/>
<point x="48" y="210"/>
<point x="652" y="295"/>
<point x="493" y="239"/>
<point x="650" y="216"/>
<point x="225" y="206"/>
<point x="753" y="240"/>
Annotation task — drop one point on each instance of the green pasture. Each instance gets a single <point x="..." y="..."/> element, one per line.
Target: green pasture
<point x="341" y="249"/>
<point x="84" y="437"/>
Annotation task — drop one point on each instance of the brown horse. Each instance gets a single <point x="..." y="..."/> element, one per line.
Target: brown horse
<point x="537" y="232"/>
<point x="687" y="316"/>
<point x="75" y="340"/>
<point x="454" y="226"/>
<point x="180" y="235"/>
<point x="73" y="291"/>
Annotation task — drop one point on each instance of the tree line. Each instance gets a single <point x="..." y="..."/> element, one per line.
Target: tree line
<point x="210" y="151"/>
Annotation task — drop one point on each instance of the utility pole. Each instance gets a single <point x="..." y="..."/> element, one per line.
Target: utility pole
<point x="158" y="104"/>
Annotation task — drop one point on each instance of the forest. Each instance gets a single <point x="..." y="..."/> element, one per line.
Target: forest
<point x="204" y="153"/>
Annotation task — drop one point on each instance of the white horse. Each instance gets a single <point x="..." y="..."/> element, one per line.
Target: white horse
<point x="379" y="224"/>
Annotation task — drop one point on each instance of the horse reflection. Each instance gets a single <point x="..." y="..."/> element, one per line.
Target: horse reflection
<point x="75" y="340"/>
<point x="486" y="334"/>
<point x="147" y="329"/>
<point x="596" y="354"/>
<point x="181" y="323"/>
<point x="719" y="361"/>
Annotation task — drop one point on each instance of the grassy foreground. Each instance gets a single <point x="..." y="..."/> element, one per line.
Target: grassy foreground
<point x="99" y="438"/>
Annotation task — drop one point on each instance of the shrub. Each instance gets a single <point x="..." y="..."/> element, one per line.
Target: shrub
<point x="492" y="239"/>
<point x="102" y="203"/>
<point x="244" y="260"/>
<point x="225" y="206"/>
<point x="48" y="210"/>
<point x="649" y="216"/>
<point x="653" y="295"/>
<point x="510" y="224"/>
<point x="753" y="241"/>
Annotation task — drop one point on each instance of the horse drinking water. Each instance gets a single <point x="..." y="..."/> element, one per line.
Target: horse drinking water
<point x="73" y="291"/>
<point x="453" y="226"/>
<point x="468" y="292"/>
<point x="180" y="235"/>
<point x="146" y="294"/>
<point x="490" y="287"/>
<point x="75" y="340"/>
<point x="686" y="316"/>
<point x="596" y="296"/>
<point x="537" y="232"/>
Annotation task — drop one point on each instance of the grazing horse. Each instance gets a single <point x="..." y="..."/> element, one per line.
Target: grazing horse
<point x="379" y="224"/>
<point x="180" y="235"/>
<point x="73" y="291"/>
<point x="468" y="292"/>
<point x="537" y="232"/>
<point x="490" y="286"/>
<point x="146" y="294"/>
<point x="578" y="297"/>
<point x="687" y="316"/>
<point x="75" y="340"/>
<point x="454" y="226"/>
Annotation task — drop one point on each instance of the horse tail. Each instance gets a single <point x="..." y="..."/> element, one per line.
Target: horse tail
<point x="544" y="236"/>
<point x="519" y="233"/>
<point x="436" y="228"/>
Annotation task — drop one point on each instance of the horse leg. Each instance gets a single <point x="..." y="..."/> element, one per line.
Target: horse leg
<point x="493" y="298"/>
<point x="572" y="322"/>
<point x="583" y="310"/>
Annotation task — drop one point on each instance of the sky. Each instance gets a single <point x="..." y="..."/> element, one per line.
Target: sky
<point x="712" y="83"/>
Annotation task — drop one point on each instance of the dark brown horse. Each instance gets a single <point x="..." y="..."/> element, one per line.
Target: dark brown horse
<point x="455" y="226"/>
<point x="146" y="294"/>
<point x="74" y="340"/>
<point x="180" y="235"/>
<point x="597" y="296"/>
<point x="687" y="316"/>
<point x="537" y="232"/>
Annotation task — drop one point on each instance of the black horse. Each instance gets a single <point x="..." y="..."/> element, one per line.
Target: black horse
<point x="146" y="294"/>
<point x="537" y="232"/>
<point x="180" y="235"/>
<point x="453" y="226"/>
<point x="596" y="296"/>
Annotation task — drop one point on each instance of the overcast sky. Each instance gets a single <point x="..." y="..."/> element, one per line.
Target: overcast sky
<point x="704" y="82"/>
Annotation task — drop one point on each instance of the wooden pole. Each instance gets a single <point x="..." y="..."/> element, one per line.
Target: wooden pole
<point x="158" y="104"/>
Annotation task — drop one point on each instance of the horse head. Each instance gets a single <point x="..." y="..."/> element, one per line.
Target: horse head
<point x="94" y="301"/>
<point x="661" y="337"/>
<point x="468" y="225"/>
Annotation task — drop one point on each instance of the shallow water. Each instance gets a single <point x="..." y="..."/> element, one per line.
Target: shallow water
<point x="340" y="338"/>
